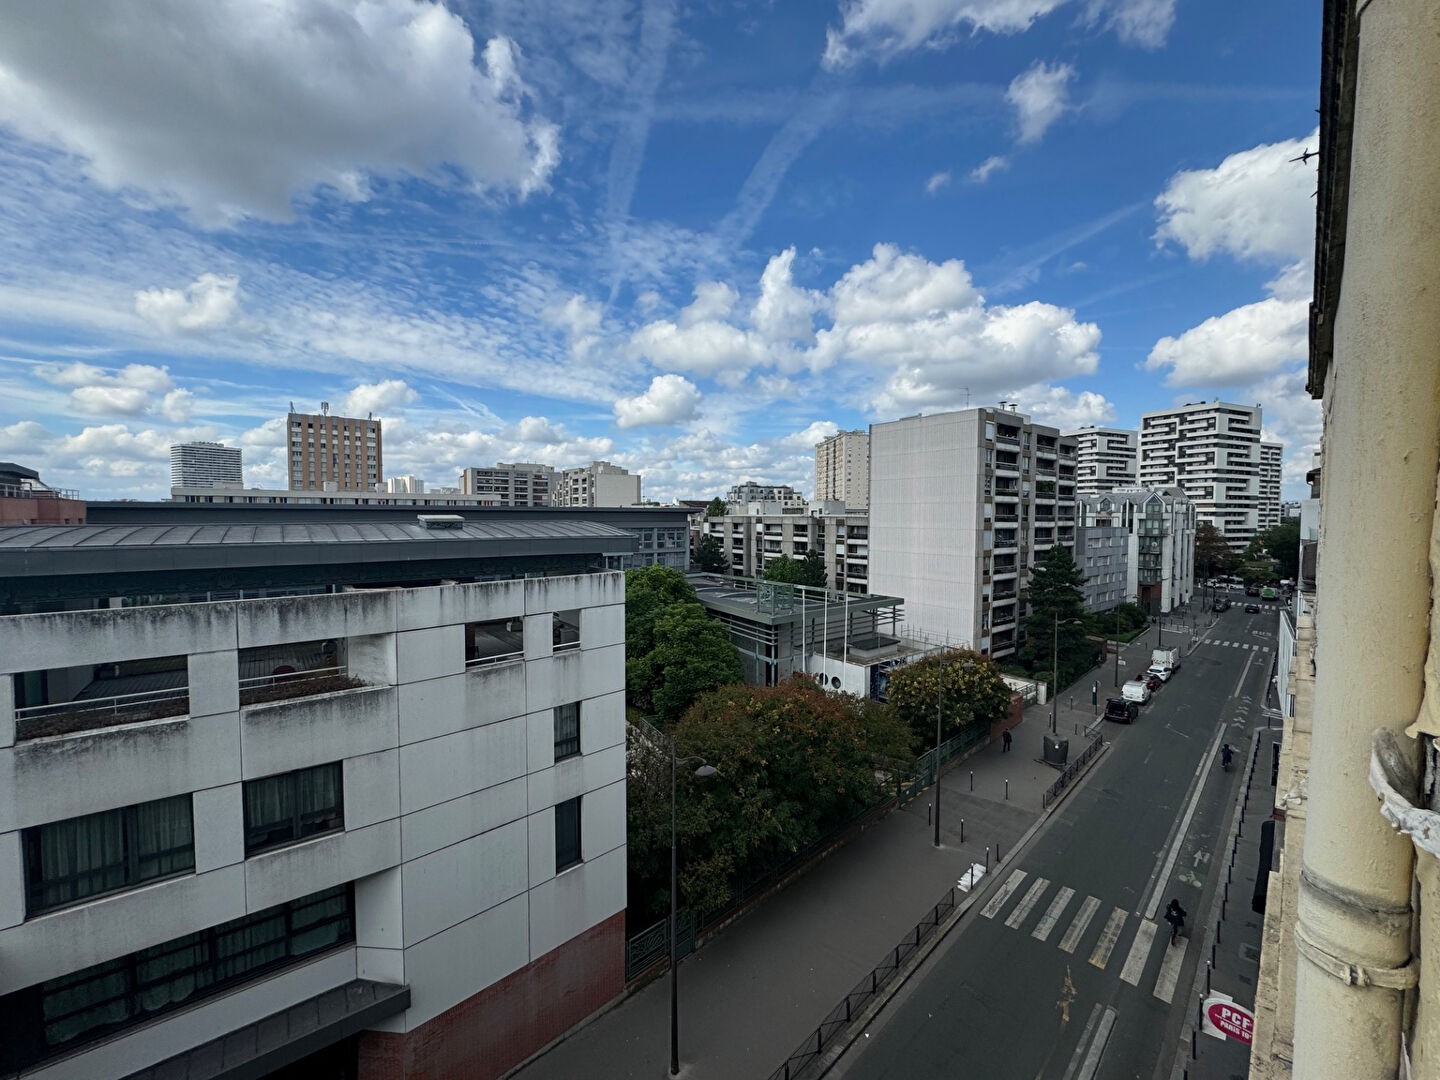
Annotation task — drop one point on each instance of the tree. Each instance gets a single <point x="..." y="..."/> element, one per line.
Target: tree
<point x="673" y="649"/>
<point x="1282" y="543"/>
<point x="710" y="556"/>
<point x="1057" y="611"/>
<point x="793" y="762"/>
<point x="1212" y="553"/>
<point x="964" y="685"/>
<point x="717" y="508"/>
<point x="809" y="570"/>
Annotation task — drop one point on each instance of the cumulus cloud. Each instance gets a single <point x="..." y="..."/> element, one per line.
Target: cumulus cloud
<point x="1254" y="205"/>
<point x="1065" y="409"/>
<point x="881" y="29"/>
<point x="936" y="182"/>
<point x="1145" y="23"/>
<point x="133" y="390"/>
<point x="784" y="311"/>
<point x="1235" y="348"/>
<point x="391" y="395"/>
<point x="580" y="318"/>
<point x="265" y="103"/>
<point x="807" y="437"/>
<point x="988" y="168"/>
<point x="1040" y="95"/>
<point x="670" y="399"/>
<point x="209" y="301"/>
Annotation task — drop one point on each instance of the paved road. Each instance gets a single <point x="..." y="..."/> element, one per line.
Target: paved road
<point x="1064" y="970"/>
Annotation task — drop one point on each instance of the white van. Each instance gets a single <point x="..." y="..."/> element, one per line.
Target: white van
<point x="1136" y="690"/>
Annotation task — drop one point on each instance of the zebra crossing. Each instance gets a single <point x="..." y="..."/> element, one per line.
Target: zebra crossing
<point x="1239" y="645"/>
<point x="1120" y="921"/>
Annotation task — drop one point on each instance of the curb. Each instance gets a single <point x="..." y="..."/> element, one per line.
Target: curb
<point x="826" y="1061"/>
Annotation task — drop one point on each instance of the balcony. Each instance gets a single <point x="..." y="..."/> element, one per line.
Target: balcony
<point x="1006" y="434"/>
<point x="498" y="641"/>
<point x="303" y="669"/>
<point x="1004" y="571"/>
<point x="67" y="701"/>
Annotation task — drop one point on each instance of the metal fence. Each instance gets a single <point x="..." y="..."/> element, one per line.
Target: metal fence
<point x="865" y="991"/>
<point x="1071" y="771"/>
<point x="923" y="774"/>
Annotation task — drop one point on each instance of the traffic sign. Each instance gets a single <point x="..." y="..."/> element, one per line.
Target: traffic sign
<point x="1228" y="1018"/>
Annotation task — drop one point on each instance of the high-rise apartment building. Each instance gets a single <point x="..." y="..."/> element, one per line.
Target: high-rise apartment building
<point x="1106" y="458"/>
<point x="842" y="469"/>
<point x="753" y="541"/>
<point x="1159" y="530"/>
<point x="333" y="453"/>
<point x="404" y="485"/>
<point x="205" y="464"/>
<point x="742" y="495"/>
<point x="1211" y="452"/>
<point x="962" y="505"/>
<point x="1272" y="455"/>
<point x="597" y="484"/>
<point x="510" y="484"/>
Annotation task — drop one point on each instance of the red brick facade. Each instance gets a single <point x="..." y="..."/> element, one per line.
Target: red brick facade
<point x="502" y="1025"/>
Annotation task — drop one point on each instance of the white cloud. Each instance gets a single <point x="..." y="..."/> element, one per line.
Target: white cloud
<point x="209" y="301"/>
<point x="1254" y="205"/>
<point x="809" y="436"/>
<point x="670" y="399"/>
<point x="109" y="400"/>
<point x="1237" y="347"/>
<point x="881" y="29"/>
<point x="988" y="168"/>
<point x="1063" y="408"/>
<point x="784" y="312"/>
<point x="232" y="109"/>
<point x="581" y="319"/>
<point x="1040" y="95"/>
<point x="134" y="376"/>
<point x="391" y="395"/>
<point x="936" y="182"/>
<point x="713" y="300"/>
<point x="1145" y="23"/>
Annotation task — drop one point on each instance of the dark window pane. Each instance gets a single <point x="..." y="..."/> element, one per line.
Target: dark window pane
<point x="567" y="730"/>
<point x="292" y="806"/>
<point x="567" y="834"/>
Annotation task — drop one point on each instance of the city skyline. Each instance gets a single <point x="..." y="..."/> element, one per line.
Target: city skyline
<point x="693" y="243"/>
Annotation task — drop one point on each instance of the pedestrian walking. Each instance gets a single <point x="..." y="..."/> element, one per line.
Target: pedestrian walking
<point x="1005" y="742"/>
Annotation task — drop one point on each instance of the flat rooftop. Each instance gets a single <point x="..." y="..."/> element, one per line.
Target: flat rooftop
<point x="775" y="604"/>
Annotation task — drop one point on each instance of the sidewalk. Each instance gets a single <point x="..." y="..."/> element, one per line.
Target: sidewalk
<point x="760" y="986"/>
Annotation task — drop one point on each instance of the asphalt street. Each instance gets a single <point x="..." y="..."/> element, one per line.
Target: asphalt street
<point x="1064" y="969"/>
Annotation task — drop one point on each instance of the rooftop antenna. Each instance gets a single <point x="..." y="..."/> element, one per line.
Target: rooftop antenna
<point x="292" y="406"/>
<point x="324" y="408"/>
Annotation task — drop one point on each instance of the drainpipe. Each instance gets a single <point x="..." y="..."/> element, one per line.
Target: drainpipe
<point x="1353" y="928"/>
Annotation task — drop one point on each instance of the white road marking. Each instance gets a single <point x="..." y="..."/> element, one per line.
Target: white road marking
<point x="1139" y="953"/>
<point x="1083" y="1043"/>
<point x="1101" y="956"/>
<point x="1022" y="909"/>
<point x="1102" y="1036"/>
<point x="1079" y="923"/>
<point x="1170" y="971"/>
<point x="1052" y="915"/>
<point x="1161" y="873"/>
<point x="997" y="901"/>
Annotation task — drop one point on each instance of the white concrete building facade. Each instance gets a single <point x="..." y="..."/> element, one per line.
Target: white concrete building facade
<point x="962" y="504"/>
<point x="1160" y="530"/>
<point x="1211" y="452"/>
<point x="510" y="484"/>
<point x="752" y="541"/>
<point x="597" y="484"/>
<point x="409" y="801"/>
<point x="1272" y="455"/>
<point x="205" y="464"/>
<point x="842" y="469"/>
<point x="742" y="495"/>
<point x="404" y="485"/>
<point x="1105" y="458"/>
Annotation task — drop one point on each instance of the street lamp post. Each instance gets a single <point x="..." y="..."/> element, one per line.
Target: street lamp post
<point x="702" y="771"/>
<point x="1055" y="672"/>
<point x="939" y="710"/>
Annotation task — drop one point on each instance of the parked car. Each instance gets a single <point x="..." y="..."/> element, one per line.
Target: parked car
<point x="1252" y="609"/>
<point x="1154" y="682"/>
<point x="1136" y="690"/>
<point x="1120" y="710"/>
<point x="1221" y="604"/>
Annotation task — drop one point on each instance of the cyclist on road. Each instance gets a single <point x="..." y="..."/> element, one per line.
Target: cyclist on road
<point x="1175" y="916"/>
<point x="1226" y="756"/>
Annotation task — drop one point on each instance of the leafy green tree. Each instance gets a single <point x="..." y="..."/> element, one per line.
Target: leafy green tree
<point x="717" y="508"/>
<point x="1057" y="612"/>
<point x="964" y="685"/>
<point x="1282" y="543"/>
<point x="809" y="570"/>
<point x="1212" y="553"/>
<point x="710" y="556"/>
<point x="673" y="649"/>
<point x="793" y="762"/>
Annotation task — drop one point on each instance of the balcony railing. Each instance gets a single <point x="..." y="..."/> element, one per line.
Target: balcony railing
<point x="94" y="713"/>
<point x="284" y="685"/>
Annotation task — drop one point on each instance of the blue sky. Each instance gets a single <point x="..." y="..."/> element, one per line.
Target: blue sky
<point x="690" y="238"/>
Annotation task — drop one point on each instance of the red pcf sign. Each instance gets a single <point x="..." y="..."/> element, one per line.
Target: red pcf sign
<point x="1234" y="1020"/>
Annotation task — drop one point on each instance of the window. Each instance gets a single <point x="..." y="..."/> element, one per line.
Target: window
<point x="567" y="834"/>
<point x="58" y="1015"/>
<point x="70" y="861"/>
<point x="293" y="806"/>
<point x="567" y="731"/>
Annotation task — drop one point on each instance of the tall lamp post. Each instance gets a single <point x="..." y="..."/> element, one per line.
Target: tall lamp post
<point x="703" y="771"/>
<point x="939" y="710"/>
<point x="1055" y="671"/>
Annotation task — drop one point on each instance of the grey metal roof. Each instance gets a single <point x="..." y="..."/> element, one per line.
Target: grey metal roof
<point x="51" y="537"/>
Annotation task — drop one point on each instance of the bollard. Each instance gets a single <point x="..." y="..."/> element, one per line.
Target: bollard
<point x="962" y="830"/>
<point x="987" y="858"/>
<point x="929" y="810"/>
<point x="972" y="779"/>
<point x="1207" y="978"/>
<point x="1217" y="933"/>
<point x="1212" y="954"/>
<point x="1007" y="790"/>
<point x="998" y="856"/>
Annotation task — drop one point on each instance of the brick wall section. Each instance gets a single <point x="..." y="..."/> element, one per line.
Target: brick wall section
<point x="501" y="1026"/>
<point x="1012" y="717"/>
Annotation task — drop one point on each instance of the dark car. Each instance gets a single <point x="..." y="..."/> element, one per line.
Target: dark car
<point x="1252" y="609"/>
<point x="1154" y="682"/>
<point x="1121" y="711"/>
<point x="1220" y="604"/>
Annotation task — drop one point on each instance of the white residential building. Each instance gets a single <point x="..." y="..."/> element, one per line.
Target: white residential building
<point x="752" y="541"/>
<point x="517" y="484"/>
<point x="1105" y="458"/>
<point x="205" y="464"/>
<point x="1211" y="451"/>
<point x="1159" y="525"/>
<point x="404" y="485"/>
<point x="360" y="823"/>
<point x="1272" y="457"/>
<point x="742" y="495"/>
<point x="1102" y="555"/>
<point x="842" y="469"/>
<point x="962" y="505"/>
<point x="333" y="453"/>
<point x="597" y="484"/>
